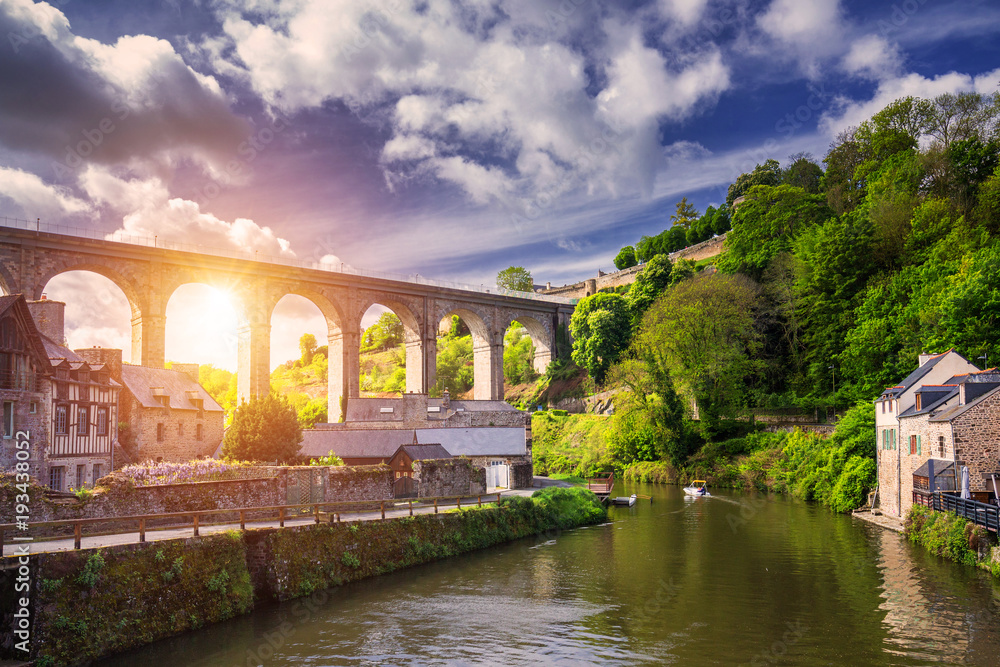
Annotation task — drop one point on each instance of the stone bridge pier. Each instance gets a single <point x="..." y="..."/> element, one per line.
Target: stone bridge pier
<point x="148" y="276"/>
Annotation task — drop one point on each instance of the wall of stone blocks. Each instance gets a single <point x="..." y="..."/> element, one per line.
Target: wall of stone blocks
<point x="977" y="442"/>
<point x="37" y="426"/>
<point x="448" y="477"/>
<point x="359" y="483"/>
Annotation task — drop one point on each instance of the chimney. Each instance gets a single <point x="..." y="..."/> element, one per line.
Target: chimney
<point x="104" y="355"/>
<point x="446" y="400"/>
<point x="50" y="318"/>
<point x="191" y="370"/>
<point x="924" y="358"/>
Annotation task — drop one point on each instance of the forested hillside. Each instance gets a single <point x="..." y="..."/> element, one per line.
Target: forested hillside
<point x="832" y="280"/>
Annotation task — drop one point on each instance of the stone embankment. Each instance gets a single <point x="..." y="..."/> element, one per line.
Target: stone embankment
<point x="83" y="605"/>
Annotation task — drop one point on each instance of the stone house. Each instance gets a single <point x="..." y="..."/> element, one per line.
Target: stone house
<point x="948" y="412"/>
<point x="491" y="434"/>
<point x="82" y="407"/>
<point x="24" y="388"/>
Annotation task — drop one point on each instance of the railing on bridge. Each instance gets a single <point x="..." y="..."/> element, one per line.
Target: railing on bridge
<point x="973" y="510"/>
<point x="23" y="380"/>
<point x="272" y="512"/>
<point x="333" y="267"/>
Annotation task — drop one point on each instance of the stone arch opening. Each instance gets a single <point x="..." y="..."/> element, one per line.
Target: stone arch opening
<point x="462" y="334"/>
<point x="541" y="341"/>
<point x="98" y="313"/>
<point x="417" y="377"/>
<point x="200" y="325"/>
<point x="300" y="359"/>
<point x="383" y="348"/>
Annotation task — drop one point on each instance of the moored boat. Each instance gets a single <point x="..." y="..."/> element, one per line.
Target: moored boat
<point x="697" y="488"/>
<point x="622" y="500"/>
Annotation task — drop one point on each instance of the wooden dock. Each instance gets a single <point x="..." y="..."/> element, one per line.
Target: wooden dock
<point x="602" y="486"/>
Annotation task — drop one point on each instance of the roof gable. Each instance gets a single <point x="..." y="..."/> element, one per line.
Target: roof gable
<point x="147" y="384"/>
<point x="17" y="308"/>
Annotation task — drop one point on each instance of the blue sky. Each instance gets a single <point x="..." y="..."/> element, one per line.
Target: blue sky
<point x="450" y="139"/>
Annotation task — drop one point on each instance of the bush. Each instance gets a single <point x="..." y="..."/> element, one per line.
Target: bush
<point x="852" y="486"/>
<point x="570" y="507"/>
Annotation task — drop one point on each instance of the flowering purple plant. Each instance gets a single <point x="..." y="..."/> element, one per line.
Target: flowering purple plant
<point x="202" y="470"/>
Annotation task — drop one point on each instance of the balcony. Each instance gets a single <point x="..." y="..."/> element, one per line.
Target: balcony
<point x="19" y="380"/>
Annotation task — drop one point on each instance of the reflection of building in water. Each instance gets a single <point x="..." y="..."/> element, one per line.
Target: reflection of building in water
<point x="920" y="623"/>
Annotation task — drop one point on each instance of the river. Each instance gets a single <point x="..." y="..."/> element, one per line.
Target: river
<point x="733" y="579"/>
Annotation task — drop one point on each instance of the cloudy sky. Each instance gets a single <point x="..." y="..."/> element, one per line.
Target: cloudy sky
<point x="446" y="138"/>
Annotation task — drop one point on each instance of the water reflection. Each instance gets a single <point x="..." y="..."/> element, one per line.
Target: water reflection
<point x="732" y="579"/>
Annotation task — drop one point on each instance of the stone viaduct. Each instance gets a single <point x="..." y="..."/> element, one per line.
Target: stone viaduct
<point x="148" y="276"/>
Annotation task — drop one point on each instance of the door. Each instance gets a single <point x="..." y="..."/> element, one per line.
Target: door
<point x="404" y="488"/>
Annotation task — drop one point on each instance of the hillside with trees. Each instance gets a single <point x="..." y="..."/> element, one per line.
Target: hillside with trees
<point x="832" y="280"/>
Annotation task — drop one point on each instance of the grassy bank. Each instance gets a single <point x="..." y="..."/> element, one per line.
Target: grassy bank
<point x="94" y="603"/>
<point x="953" y="537"/>
<point x="569" y="444"/>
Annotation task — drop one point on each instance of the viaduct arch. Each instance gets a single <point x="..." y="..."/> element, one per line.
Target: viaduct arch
<point x="148" y="277"/>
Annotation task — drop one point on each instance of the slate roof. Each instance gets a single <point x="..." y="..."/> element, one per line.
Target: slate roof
<point x="140" y="380"/>
<point x="383" y="443"/>
<point x="422" y="452"/>
<point x="35" y="339"/>
<point x="958" y="410"/>
<point x="915" y="376"/>
<point x="55" y="351"/>
<point x="379" y="444"/>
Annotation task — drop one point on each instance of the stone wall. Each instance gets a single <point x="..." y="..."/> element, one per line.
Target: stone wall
<point x="521" y="474"/>
<point x="929" y="432"/>
<point x="36" y="424"/>
<point x="435" y="478"/>
<point x="180" y="441"/>
<point x="977" y="441"/>
<point x="584" y="288"/>
<point x="361" y="483"/>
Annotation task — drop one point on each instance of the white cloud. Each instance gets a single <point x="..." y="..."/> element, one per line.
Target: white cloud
<point x="37" y="199"/>
<point x="684" y="11"/>
<point x="847" y="113"/>
<point x="811" y="30"/>
<point x="873" y="57"/>
<point x="150" y="211"/>
<point x="485" y="97"/>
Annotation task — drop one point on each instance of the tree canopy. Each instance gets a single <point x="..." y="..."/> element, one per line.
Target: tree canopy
<point x="515" y="278"/>
<point x="264" y="428"/>
<point x="601" y="325"/>
<point x="625" y="258"/>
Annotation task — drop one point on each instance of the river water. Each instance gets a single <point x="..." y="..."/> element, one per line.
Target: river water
<point x="727" y="580"/>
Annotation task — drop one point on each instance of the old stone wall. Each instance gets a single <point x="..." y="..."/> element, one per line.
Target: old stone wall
<point x="180" y="431"/>
<point x="448" y="477"/>
<point x="584" y="288"/>
<point x="360" y="483"/>
<point x="977" y="441"/>
<point x="930" y="433"/>
<point x="35" y="425"/>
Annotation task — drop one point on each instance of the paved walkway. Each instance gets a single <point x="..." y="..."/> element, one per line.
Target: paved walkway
<point x="890" y="522"/>
<point x="156" y="535"/>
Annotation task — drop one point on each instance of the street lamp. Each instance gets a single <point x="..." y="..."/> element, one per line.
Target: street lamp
<point x="834" y="371"/>
<point x="983" y="357"/>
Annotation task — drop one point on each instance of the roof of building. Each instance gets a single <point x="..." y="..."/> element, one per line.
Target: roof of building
<point x="423" y="452"/>
<point x="956" y="411"/>
<point x="383" y="443"/>
<point x="915" y="376"/>
<point x="374" y="444"/>
<point x="17" y="303"/>
<point x="56" y="352"/>
<point x="141" y="381"/>
<point x="932" y="399"/>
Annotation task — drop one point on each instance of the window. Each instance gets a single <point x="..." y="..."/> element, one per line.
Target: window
<point x="890" y="406"/>
<point x="180" y="429"/>
<point x="81" y="474"/>
<point x="97" y="472"/>
<point x="83" y="422"/>
<point x="159" y="432"/>
<point x="61" y="419"/>
<point x="941" y="445"/>
<point x="892" y="438"/>
<point x="197" y="432"/>
<point x="32" y="407"/>
<point x="102" y="421"/>
<point x="915" y="444"/>
<point x="8" y="420"/>
<point x="56" y="476"/>
<point x="918" y="402"/>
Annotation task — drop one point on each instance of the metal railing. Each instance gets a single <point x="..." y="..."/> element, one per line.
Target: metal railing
<point x="279" y="512"/>
<point x="338" y="267"/>
<point x="979" y="513"/>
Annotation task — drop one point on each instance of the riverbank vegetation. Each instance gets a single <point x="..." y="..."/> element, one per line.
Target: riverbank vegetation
<point x="951" y="536"/>
<point x="831" y="282"/>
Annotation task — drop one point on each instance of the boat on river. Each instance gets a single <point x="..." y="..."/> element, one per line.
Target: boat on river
<point x="697" y="488"/>
<point x="622" y="500"/>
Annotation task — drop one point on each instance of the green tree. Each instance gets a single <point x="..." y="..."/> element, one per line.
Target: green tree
<point x="625" y="258"/>
<point x="265" y="428"/>
<point x="386" y="333"/>
<point x="600" y="327"/>
<point x="307" y="346"/>
<point x="685" y="214"/>
<point x="312" y="413"/>
<point x="455" y="365"/>
<point x="803" y="173"/>
<point x="683" y="269"/>
<point x="518" y="355"/>
<point x="766" y="223"/>
<point x="648" y="285"/>
<point x="768" y="173"/>
<point x="704" y="334"/>
<point x="515" y="278"/>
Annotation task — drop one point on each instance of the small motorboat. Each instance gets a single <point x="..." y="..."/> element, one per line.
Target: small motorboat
<point x="697" y="488"/>
<point x="622" y="500"/>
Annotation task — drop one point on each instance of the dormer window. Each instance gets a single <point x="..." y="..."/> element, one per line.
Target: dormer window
<point x="84" y="376"/>
<point x="919" y="408"/>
